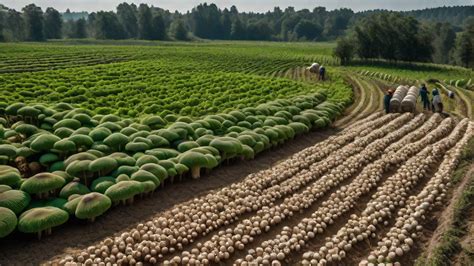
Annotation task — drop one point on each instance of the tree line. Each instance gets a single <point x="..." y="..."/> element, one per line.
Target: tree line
<point x="394" y="37"/>
<point x="205" y="21"/>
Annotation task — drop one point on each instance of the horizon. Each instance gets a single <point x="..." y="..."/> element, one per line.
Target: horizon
<point x="242" y="5"/>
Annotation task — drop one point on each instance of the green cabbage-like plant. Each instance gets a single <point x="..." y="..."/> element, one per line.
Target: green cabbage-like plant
<point x="4" y="188"/>
<point x="194" y="161"/>
<point x="9" y="176"/>
<point x="124" y="191"/>
<point x="39" y="220"/>
<point x="42" y="184"/>
<point x="8" y="221"/>
<point x="44" y="142"/>
<point x="15" y="200"/>
<point x="103" y="166"/>
<point x="142" y="176"/>
<point x="116" y="141"/>
<point x="101" y="184"/>
<point x="145" y="159"/>
<point x="92" y="205"/>
<point x="74" y="187"/>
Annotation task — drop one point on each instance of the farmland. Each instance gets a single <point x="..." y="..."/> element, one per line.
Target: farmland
<point x="220" y="152"/>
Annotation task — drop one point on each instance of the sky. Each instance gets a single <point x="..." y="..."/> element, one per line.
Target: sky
<point x="242" y="5"/>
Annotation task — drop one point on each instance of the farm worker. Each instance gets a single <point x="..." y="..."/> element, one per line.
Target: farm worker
<point x="451" y="94"/>
<point x="437" y="104"/>
<point x="322" y="73"/>
<point x="314" y="68"/>
<point x="386" y="100"/>
<point x="424" y="97"/>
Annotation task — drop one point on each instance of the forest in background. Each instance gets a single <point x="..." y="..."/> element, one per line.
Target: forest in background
<point x="439" y="35"/>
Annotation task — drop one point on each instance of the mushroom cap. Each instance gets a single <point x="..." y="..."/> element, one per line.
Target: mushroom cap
<point x="8" y="221"/>
<point x="193" y="159"/>
<point x="65" y="145"/>
<point x="39" y="219"/>
<point x="9" y="176"/>
<point x="4" y="188"/>
<point x="158" y="141"/>
<point x="26" y="129"/>
<point x="104" y="164"/>
<point x="153" y="122"/>
<point x="187" y="145"/>
<point x="142" y="176"/>
<point x="67" y="177"/>
<point x="136" y="147"/>
<point x="181" y="168"/>
<point x="125" y="169"/>
<point x="148" y="186"/>
<point x="80" y="157"/>
<point x="100" y="133"/>
<point x="212" y="162"/>
<point x="145" y="159"/>
<point x="15" y="200"/>
<point x="227" y="145"/>
<point x="116" y="139"/>
<point x="123" y="159"/>
<point x="48" y="158"/>
<point x="156" y="169"/>
<point x="42" y="182"/>
<point x="73" y="187"/>
<point x="8" y="150"/>
<point x="71" y="205"/>
<point x="92" y="205"/>
<point x="124" y="190"/>
<point x="162" y="153"/>
<point x="82" y="140"/>
<point x="63" y="132"/>
<point x="77" y="168"/>
<point x="101" y="184"/>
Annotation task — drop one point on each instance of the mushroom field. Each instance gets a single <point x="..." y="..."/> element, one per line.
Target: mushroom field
<point x="232" y="155"/>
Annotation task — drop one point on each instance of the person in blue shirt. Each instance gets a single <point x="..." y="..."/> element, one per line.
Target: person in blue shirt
<point x="322" y="73"/>
<point x="386" y="100"/>
<point x="424" y="94"/>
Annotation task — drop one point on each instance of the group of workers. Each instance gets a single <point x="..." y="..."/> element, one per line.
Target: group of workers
<point x="435" y="105"/>
<point x="319" y="70"/>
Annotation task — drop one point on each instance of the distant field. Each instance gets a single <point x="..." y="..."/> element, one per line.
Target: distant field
<point x="151" y="77"/>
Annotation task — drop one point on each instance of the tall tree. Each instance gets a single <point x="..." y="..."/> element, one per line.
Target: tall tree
<point x="308" y="30"/>
<point x="53" y="24"/>
<point x="345" y="50"/>
<point x="237" y="31"/>
<point x="15" y="25"/>
<point x="178" y="30"/>
<point x="158" y="28"/>
<point x="127" y="15"/>
<point x="145" y="27"/>
<point x="80" y="29"/>
<point x="465" y="50"/>
<point x="34" y="22"/>
<point x="108" y="26"/>
<point x="443" y="42"/>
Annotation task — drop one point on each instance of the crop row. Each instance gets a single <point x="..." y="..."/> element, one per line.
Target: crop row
<point x="179" y="228"/>
<point x="129" y="89"/>
<point x="75" y="157"/>
<point x="390" y="195"/>
<point x="273" y="196"/>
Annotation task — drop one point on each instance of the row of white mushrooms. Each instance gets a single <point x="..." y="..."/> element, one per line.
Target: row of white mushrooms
<point x="342" y="164"/>
<point x="402" y="236"/>
<point x="341" y="201"/>
<point x="164" y="235"/>
<point x="392" y="194"/>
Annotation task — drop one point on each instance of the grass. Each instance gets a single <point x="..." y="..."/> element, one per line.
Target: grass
<point x="449" y="245"/>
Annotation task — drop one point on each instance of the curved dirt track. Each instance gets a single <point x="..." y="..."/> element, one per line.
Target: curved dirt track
<point x="21" y="249"/>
